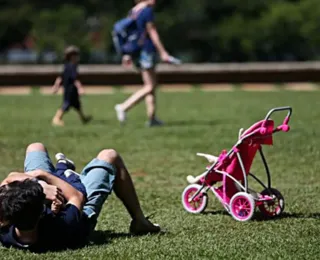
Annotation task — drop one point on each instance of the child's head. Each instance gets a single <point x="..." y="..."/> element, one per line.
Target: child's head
<point x="21" y="204"/>
<point x="149" y="2"/>
<point x="71" y="54"/>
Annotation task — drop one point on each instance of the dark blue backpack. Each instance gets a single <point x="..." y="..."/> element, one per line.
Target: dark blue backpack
<point x="126" y="36"/>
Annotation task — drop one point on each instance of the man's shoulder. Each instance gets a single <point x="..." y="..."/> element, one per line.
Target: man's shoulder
<point x="146" y="12"/>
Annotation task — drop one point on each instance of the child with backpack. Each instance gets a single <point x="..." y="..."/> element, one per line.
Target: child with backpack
<point x="72" y="87"/>
<point x="136" y="38"/>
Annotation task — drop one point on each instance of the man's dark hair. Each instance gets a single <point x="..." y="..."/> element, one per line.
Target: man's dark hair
<point x="21" y="204"/>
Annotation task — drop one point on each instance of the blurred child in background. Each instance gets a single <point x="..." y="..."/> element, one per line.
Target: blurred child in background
<point x="72" y="87"/>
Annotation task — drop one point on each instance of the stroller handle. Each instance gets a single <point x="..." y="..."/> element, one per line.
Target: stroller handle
<point x="284" y="127"/>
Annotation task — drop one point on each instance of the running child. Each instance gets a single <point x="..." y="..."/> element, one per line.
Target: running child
<point x="72" y="87"/>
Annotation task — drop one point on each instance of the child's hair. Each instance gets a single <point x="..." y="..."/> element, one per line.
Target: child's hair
<point x="70" y="51"/>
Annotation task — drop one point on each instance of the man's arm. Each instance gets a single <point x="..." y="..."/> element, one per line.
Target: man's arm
<point x="15" y="176"/>
<point x="52" y="192"/>
<point x="154" y="35"/>
<point x="72" y="195"/>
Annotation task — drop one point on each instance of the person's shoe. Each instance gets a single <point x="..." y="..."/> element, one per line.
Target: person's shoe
<point x="87" y="119"/>
<point x="139" y="229"/>
<point x="154" y="122"/>
<point x="121" y="115"/>
<point x="57" y="122"/>
<point x="61" y="158"/>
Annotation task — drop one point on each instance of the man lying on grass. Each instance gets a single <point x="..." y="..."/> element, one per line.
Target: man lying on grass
<point x="26" y="221"/>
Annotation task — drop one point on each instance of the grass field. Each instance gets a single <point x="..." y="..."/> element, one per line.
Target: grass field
<point x="161" y="158"/>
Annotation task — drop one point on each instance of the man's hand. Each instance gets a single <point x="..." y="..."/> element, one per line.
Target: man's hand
<point x="72" y="195"/>
<point x="164" y="56"/>
<point x="126" y="61"/>
<point x="52" y="192"/>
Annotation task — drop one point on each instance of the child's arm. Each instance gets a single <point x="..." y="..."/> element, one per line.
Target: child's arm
<point x="79" y="86"/>
<point x="57" y="84"/>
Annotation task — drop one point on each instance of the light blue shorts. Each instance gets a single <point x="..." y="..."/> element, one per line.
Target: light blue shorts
<point x="97" y="177"/>
<point x="145" y="60"/>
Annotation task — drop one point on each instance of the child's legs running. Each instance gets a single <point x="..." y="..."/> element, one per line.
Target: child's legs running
<point x="57" y="119"/>
<point x="77" y="106"/>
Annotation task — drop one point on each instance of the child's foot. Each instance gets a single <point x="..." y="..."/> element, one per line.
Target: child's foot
<point x="57" y="122"/>
<point x="61" y="158"/>
<point x="87" y="119"/>
<point x="143" y="228"/>
<point x="154" y="122"/>
<point x="121" y="115"/>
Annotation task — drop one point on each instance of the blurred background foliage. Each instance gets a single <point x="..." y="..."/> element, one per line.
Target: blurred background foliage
<point x="196" y="31"/>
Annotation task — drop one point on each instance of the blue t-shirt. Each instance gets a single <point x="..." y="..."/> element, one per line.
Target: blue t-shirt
<point x="146" y="15"/>
<point x="68" y="229"/>
<point x="69" y="76"/>
<point x="73" y="180"/>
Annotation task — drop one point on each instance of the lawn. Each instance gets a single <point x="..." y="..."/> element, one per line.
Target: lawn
<point x="159" y="160"/>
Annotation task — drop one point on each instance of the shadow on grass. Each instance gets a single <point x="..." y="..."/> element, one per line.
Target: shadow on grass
<point x="285" y="215"/>
<point x="102" y="237"/>
<point x="217" y="212"/>
<point x="98" y="122"/>
<point x="259" y="217"/>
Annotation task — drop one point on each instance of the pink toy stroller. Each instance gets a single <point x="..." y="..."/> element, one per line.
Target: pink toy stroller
<point x="232" y="169"/>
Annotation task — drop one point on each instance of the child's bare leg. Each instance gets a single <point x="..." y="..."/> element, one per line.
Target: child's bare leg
<point x="57" y="119"/>
<point x="84" y="119"/>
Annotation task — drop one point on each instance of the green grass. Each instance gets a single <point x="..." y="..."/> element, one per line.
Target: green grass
<point x="160" y="159"/>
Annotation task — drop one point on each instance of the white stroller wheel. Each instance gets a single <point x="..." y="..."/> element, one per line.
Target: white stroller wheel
<point x="198" y="204"/>
<point x="242" y="206"/>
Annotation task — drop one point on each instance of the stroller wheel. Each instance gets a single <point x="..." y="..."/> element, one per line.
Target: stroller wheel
<point x="242" y="206"/>
<point x="198" y="204"/>
<point x="272" y="208"/>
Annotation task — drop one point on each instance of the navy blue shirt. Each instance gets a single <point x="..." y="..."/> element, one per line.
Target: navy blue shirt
<point x="74" y="180"/>
<point x="69" y="76"/>
<point x="68" y="229"/>
<point x="145" y="16"/>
